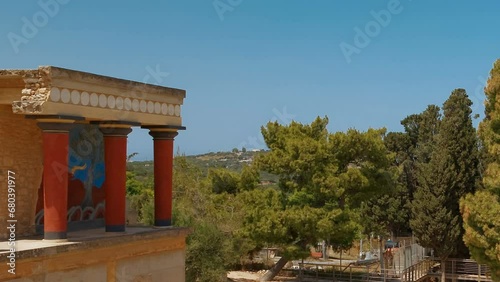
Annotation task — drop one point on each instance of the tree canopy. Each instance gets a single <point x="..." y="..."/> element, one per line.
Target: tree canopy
<point x="390" y="213"/>
<point x="324" y="178"/>
<point x="451" y="173"/>
<point x="436" y="180"/>
<point x="481" y="211"/>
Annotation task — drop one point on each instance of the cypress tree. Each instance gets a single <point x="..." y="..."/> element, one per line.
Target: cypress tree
<point x="451" y="173"/>
<point x="481" y="211"/>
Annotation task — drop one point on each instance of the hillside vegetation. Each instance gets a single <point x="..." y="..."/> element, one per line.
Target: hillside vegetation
<point x="233" y="161"/>
<point x="437" y="180"/>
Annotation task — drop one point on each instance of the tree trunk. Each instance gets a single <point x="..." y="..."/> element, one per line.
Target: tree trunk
<point x="325" y="257"/>
<point x="443" y="270"/>
<point x="381" y="254"/>
<point x="340" y="260"/>
<point x="271" y="273"/>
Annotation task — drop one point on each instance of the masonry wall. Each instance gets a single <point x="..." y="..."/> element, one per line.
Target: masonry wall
<point x="157" y="256"/>
<point x="167" y="266"/>
<point x="20" y="152"/>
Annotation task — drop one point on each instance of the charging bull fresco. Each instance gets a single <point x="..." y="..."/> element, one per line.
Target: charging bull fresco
<point x="85" y="176"/>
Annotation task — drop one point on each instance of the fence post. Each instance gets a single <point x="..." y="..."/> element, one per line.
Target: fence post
<point x="317" y="272"/>
<point x="300" y="270"/>
<point x="411" y="255"/>
<point x="412" y="275"/>
<point x="333" y="272"/>
<point x="453" y="265"/>
<point x="479" y="272"/>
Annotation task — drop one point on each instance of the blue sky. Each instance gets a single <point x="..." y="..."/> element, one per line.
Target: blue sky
<point x="245" y="62"/>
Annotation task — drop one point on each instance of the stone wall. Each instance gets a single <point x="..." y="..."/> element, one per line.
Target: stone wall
<point x="167" y="266"/>
<point x="21" y="152"/>
<point x="140" y="255"/>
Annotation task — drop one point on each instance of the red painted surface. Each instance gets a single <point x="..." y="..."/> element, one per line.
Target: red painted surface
<point x="76" y="194"/>
<point x="316" y="255"/>
<point x="55" y="175"/>
<point x="163" y="165"/>
<point x="90" y="171"/>
<point x="115" y="157"/>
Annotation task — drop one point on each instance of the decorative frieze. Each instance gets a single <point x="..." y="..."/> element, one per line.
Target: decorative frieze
<point x="35" y="100"/>
<point x="56" y="91"/>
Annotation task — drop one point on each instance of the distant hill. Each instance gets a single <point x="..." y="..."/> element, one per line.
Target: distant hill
<point x="234" y="161"/>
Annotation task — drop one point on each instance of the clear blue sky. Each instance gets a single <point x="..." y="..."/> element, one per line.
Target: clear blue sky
<point x="245" y="66"/>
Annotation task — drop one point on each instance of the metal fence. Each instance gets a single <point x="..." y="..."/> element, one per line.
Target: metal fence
<point x="405" y="257"/>
<point x="456" y="270"/>
<point x="320" y="273"/>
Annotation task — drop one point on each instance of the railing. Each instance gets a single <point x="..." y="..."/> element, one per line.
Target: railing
<point x="321" y="271"/>
<point x="418" y="271"/>
<point x="466" y="269"/>
<point x="405" y="257"/>
<point x="456" y="270"/>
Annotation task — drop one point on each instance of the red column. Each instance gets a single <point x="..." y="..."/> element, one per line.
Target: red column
<point x="55" y="179"/>
<point x="115" y="161"/>
<point x="163" y="169"/>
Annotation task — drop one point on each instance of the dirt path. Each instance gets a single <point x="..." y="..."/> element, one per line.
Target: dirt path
<point x="243" y="276"/>
<point x="246" y="276"/>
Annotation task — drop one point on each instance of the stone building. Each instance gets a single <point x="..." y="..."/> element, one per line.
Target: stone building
<point x="63" y="150"/>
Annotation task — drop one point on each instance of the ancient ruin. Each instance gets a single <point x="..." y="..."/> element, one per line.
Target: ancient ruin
<point x="64" y="149"/>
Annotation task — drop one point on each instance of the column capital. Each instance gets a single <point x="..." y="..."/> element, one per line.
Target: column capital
<point x="55" y="123"/>
<point x="115" y="128"/>
<point x="163" y="135"/>
<point x="59" y="126"/>
<point x="110" y="131"/>
<point x="163" y="132"/>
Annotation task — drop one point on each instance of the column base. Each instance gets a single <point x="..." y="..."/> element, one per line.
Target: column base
<point x="115" y="228"/>
<point x="55" y="235"/>
<point x="163" y="222"/>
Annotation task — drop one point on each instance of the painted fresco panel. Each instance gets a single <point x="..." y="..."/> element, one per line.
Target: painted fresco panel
<point x="86" y="176"/>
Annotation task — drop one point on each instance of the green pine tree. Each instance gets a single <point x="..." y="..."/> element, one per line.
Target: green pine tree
<point x="324" y="178"/>
<point x="481" y="211"/>
<point x="390" y="214"/>
<point x="451" y="173"/>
